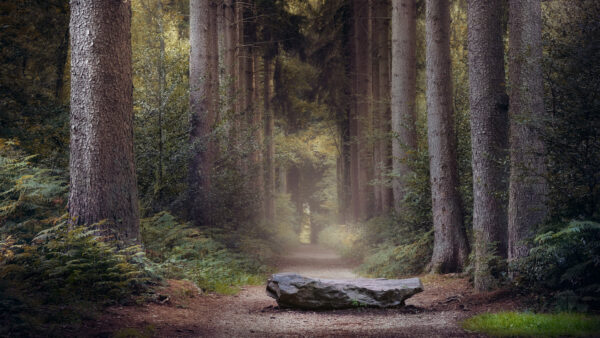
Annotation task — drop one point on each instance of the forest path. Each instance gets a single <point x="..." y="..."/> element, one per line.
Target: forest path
<point x="316" y="261"/>
<point x="436" y="312"/>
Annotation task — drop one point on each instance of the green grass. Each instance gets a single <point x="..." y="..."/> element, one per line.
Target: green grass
<point x="532" y="324"/>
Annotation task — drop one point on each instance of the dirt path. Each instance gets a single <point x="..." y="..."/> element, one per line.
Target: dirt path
<point x="434" y="313"/>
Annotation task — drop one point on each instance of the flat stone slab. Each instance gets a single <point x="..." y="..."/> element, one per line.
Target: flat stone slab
<point x="293" y="290"/>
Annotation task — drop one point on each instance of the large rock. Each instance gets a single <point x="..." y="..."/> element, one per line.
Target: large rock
<point x="293" y="290"/>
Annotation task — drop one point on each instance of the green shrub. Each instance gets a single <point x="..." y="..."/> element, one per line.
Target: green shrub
<point x="563" y="266"/>
<point x="30" y="197"/>
<point x="393" y="261"/>
<point x="530" y="324"/>
<point x="180" y="251"/>
<point x="62" y="276"/>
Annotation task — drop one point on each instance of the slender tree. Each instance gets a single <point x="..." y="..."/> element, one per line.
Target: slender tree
<point x="489" y="135"/>
<point x="203" y="80"/>
<point x="403" y="93"/>
<point x="363" y="165"/>
<point x="381" y="90"/>
<point x="384" y="57"/>
<point x="528" y="187"/>
<point x="102" y="170"/>
<point x="450" y="248"/>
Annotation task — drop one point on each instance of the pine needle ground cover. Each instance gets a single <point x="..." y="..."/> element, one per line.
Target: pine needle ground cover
<point x="509" y="324"/>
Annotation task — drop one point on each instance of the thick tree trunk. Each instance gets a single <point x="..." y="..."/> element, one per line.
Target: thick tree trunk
<point x="363" y="94"/>
<point x="403" y="93"/>
<point x="102" y="182"/>
<point x="528" y="187"/>
<point x="489" y="135"/>
<point x="450" y="248"/>
<point x="203" y="79"/>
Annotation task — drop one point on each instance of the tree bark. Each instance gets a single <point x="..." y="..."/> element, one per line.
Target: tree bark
<point x="403" y="94"/>
<point x="229" y="51"/>
<point x="102" y="179"/>
<point x="203" y="79"/>
<point x="489" y="135"/>
<point x="528" y="187"/>
<point x="377" y="104"/>
<point x="385" y="143"/>
<point x="450" y="248"/>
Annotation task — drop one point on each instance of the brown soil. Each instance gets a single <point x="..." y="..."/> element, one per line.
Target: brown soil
<point x="436" y="312"/>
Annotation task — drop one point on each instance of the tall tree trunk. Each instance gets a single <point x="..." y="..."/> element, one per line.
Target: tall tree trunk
<point x="270" y="151"/>
<point x="102" y="182"/>
<point x="489" y="135"/>
<point x="363" y="118"/>
<point x="403" y="93"/>
<point x="528" y="187"/>
<point x="161" y="102"/>
<point x="203" y="79"/>
<point x="384" y="143"/>
<point x="377" y="104"/>
<point x="353" y="158"/>
<point x="253" y="113"/>
<point x="229" y="52"/>
<point x="450" y="249"/>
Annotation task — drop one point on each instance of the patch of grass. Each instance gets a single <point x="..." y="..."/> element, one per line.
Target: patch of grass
<point x="534" y="324"/>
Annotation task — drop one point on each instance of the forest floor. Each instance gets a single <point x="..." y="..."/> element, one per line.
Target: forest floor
<point x="436" y="312"/>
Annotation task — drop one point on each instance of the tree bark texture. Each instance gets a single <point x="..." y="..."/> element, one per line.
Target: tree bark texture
<point x="489" y="135"/>
<point x="403" y="94"/>
<point x="203" y="79"/>
<point x="102" y="180"/>
<point x="450" y="249"/>
<point x="528" y="187"/>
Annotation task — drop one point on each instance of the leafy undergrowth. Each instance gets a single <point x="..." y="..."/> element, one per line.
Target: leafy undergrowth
<point x="179" y="251"/>
<point x="64" y="276"/>
<point x="533" y="324"/>
<point x="383" y="248"/>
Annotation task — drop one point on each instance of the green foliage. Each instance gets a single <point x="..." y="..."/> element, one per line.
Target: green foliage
<point x="511" y="324"/>
<point x="63" y="275"/>
<point x="393" y="261"/>
<point x="571" y="39"/>
<point x="31" y="197"/>
<point x="184" y="252"/>
<point x="563" y="266"/>
<point x="161" y="103"/>
<point x="492" y="267"/>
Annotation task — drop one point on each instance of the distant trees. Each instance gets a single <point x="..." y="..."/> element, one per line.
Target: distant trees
<point x="102" y="172"/>
<point x="403" y="93"/>
<point x="489" y="136"/>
